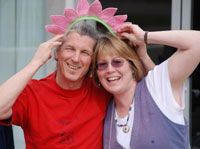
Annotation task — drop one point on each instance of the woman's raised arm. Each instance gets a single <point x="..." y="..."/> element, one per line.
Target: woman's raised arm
<point x="183" y="62"/>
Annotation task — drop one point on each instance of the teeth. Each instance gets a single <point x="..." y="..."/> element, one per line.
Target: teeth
<point x="73" y="67"/>
<point x="113" y="78"/>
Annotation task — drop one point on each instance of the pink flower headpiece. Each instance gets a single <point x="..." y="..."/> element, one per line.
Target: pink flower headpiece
<point x="64" y="23"/>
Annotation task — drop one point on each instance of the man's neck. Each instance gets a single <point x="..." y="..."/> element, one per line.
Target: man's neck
<point x="67" y="84"/>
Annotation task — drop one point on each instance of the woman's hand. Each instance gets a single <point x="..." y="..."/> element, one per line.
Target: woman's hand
<point x="135" y="35"/>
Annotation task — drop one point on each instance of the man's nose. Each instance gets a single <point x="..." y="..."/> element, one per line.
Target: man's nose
<point x="76" y="56"/>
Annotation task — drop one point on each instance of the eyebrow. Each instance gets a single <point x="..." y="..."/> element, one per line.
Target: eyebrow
<point x="85" y="50"/>
<point x="68" y="46"/>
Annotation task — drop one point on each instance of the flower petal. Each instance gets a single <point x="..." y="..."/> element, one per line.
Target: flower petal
<point x="95" y="8"/>
<point x="108" y="13"/>
<point x="117" y="20"/>
<point x="54" y="29"/>
<point x="70" y="14"/>
<point x="60" y="21"/>
<point x="82" y="7"/>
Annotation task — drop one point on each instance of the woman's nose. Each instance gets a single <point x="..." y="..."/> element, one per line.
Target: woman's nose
<point x="110" y="68"/>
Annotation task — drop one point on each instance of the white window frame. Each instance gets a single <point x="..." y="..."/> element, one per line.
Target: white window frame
<point x="181" y="19"/>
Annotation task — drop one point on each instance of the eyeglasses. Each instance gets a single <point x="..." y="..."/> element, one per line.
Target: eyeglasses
<point x="115" y="63"/>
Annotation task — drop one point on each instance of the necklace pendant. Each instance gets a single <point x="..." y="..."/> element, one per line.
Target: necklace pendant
<point x="126" y="128"/>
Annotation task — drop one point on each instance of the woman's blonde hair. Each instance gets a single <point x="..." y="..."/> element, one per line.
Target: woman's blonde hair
<point x="110" y="45"/>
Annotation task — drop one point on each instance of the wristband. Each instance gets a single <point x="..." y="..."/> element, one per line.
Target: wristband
<point x="145" y="37"/>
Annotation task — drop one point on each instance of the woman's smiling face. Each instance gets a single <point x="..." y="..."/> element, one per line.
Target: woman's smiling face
<point x="114" y="73"/>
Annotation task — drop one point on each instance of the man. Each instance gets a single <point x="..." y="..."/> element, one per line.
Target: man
<point x="65" y="109"/>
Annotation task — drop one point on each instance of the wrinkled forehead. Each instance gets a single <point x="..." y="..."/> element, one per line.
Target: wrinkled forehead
<point x="76" y="39"/>
<point x="77" y="34"/>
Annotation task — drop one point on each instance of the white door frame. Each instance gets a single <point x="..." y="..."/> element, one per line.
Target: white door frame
<point x="181" y="19"/>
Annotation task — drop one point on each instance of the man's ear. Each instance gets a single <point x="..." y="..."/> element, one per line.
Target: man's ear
<point x="56" y="55"/>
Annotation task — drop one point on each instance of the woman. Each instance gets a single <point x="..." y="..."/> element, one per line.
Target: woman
<point x="146" y="113"/>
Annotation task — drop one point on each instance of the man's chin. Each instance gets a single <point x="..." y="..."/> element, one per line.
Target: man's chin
<point x="72" y="77"/>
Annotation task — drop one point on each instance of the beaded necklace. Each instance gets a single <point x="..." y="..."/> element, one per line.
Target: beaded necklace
<point x="125" y="126"/>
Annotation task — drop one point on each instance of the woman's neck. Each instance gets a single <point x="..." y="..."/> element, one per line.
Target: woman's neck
<point x="123" y="101"/>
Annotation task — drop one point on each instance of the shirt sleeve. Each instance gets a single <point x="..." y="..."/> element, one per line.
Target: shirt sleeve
<point x="159" y="86"/>
<point x="20" y="109"/>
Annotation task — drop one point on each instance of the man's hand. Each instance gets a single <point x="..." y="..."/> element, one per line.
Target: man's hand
<point x="45" y="49"/>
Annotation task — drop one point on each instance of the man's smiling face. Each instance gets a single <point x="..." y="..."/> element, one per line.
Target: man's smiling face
<point x="74" y="58"/>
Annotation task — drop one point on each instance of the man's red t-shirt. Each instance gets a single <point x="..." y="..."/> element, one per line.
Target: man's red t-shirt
<point x="54" y="118"/>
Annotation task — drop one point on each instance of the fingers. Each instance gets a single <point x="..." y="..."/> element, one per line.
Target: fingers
<point x="132" y="32"/>
<point x="44" y="51"/>
<point x="129" y="28"/>
<point x="125" y="35"/>
<point x="132" y="39"/>
<point x="57" y="38"/>
<point x="48" y="46"/>
<point x="126" y="28"/>
<point x="55" y="41"/>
